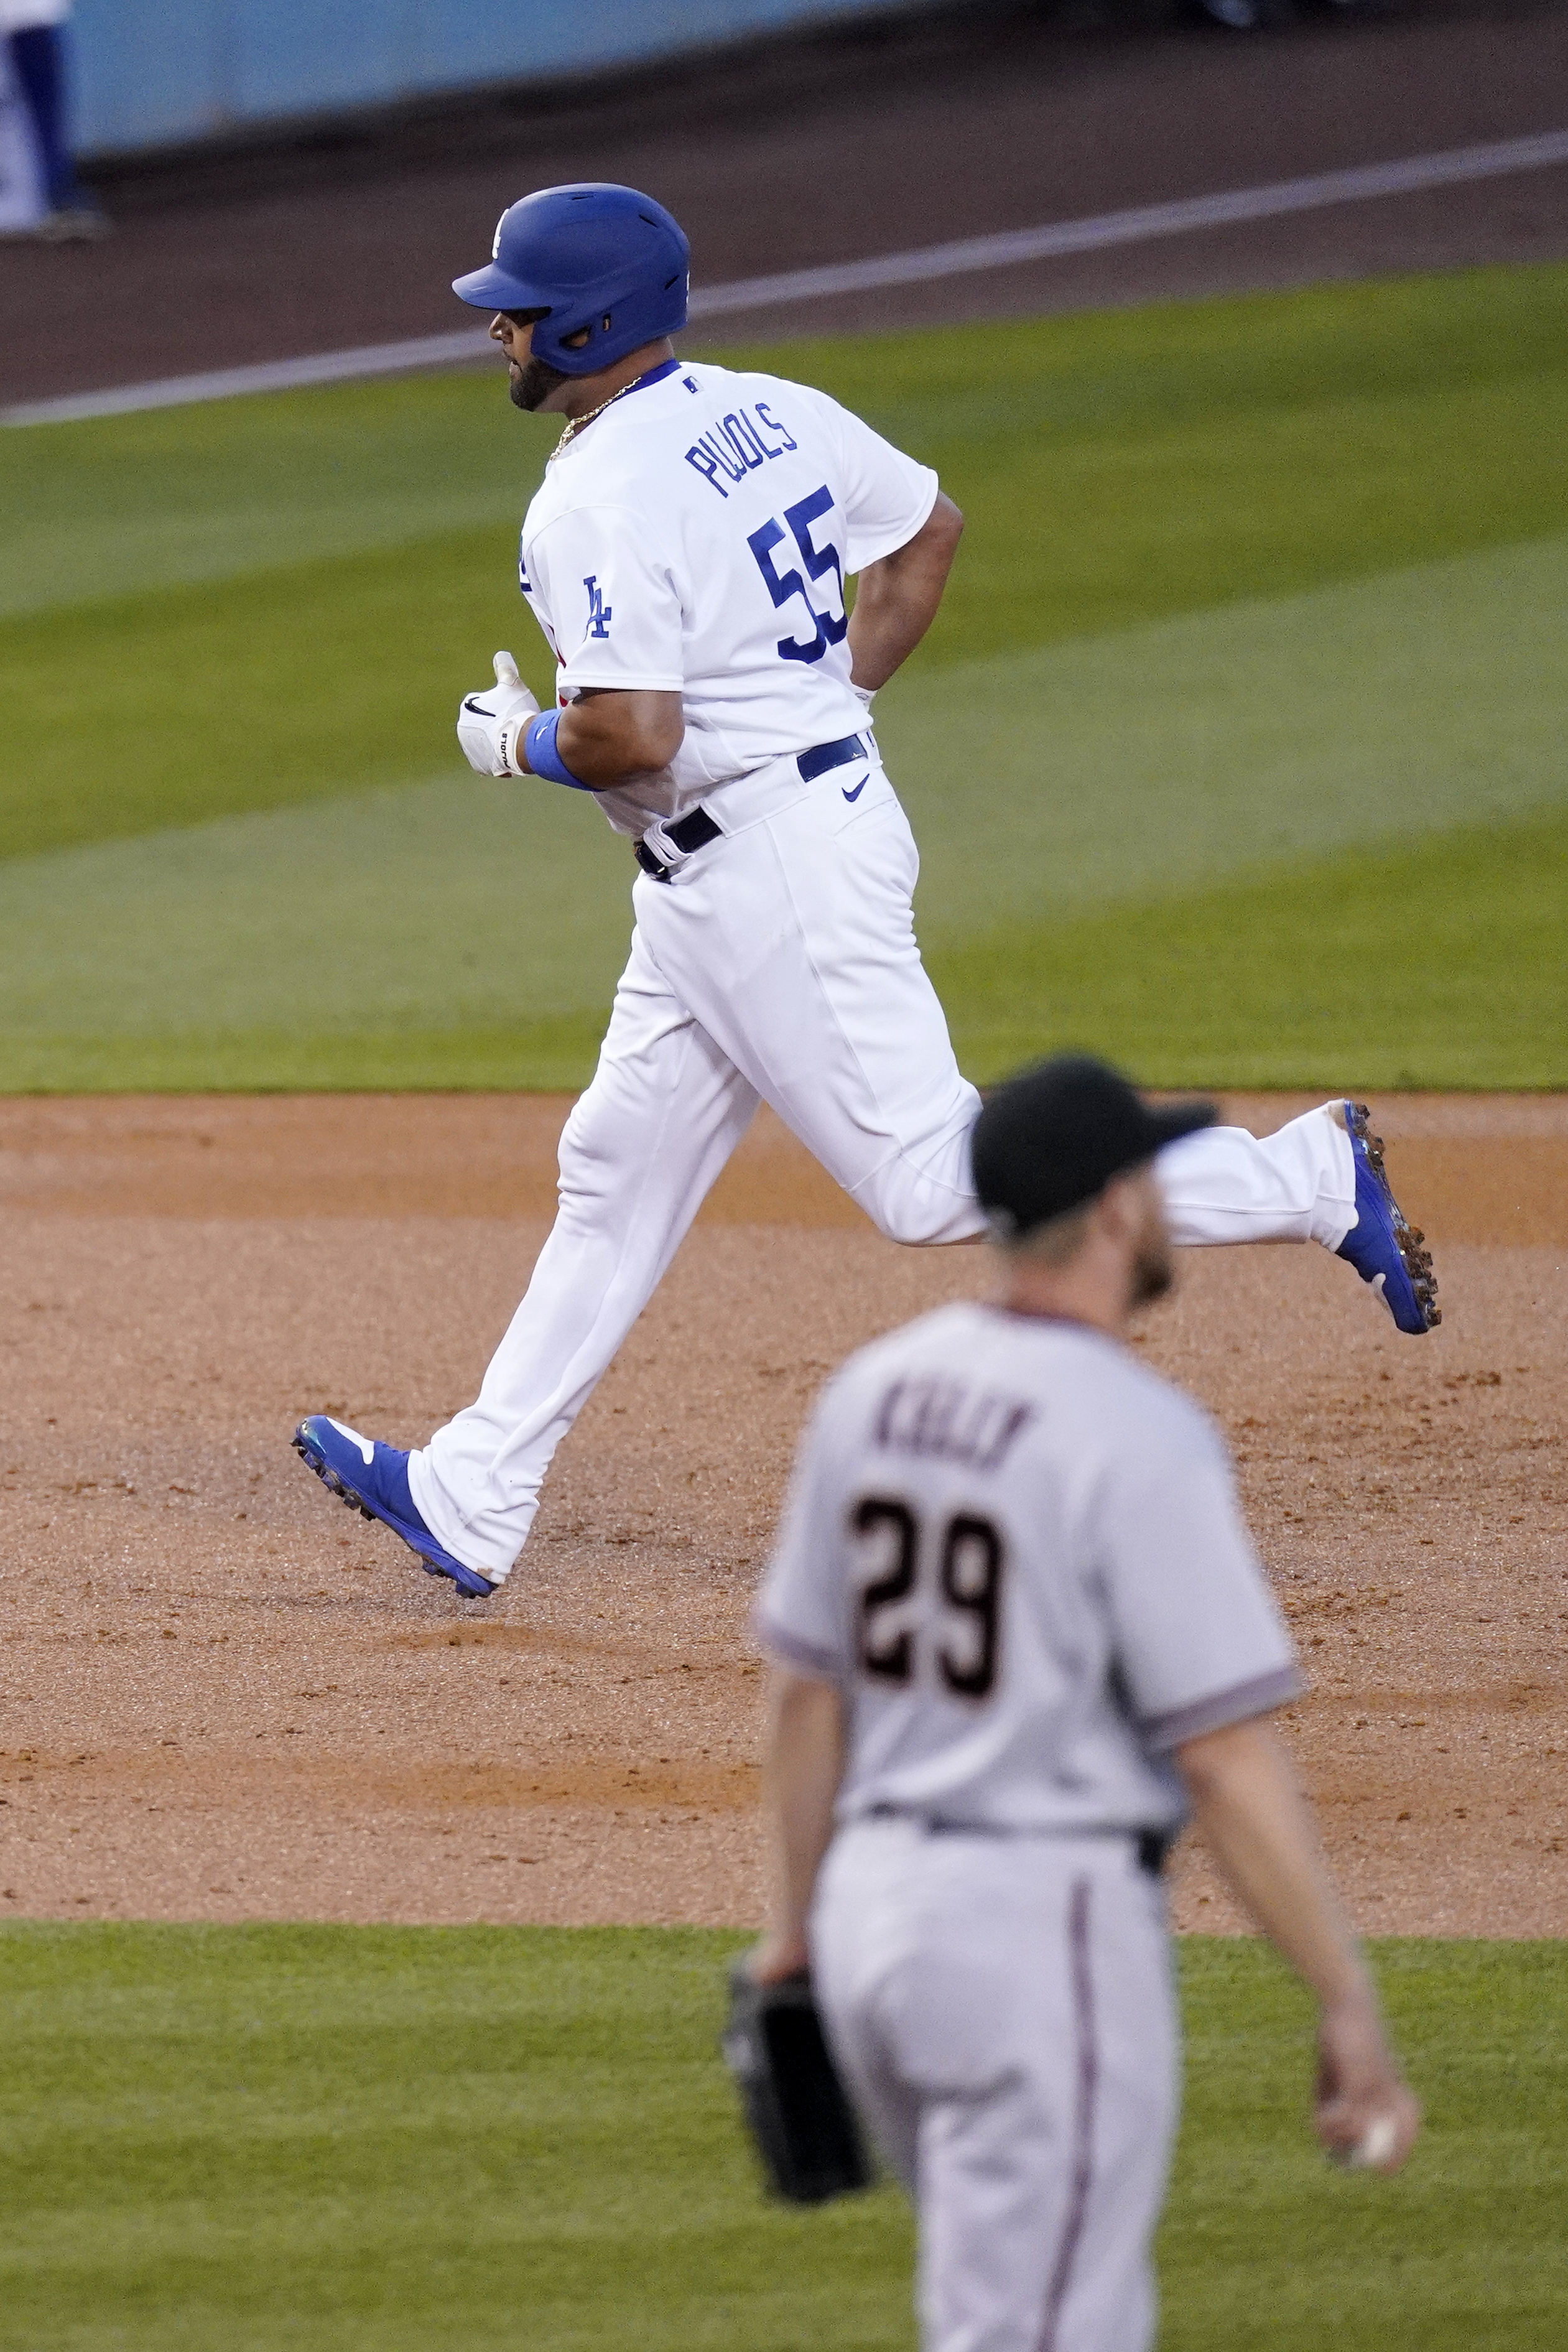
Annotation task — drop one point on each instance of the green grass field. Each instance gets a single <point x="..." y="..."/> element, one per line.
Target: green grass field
<point x="390" y="2139"/>
<point x="1253" y="655"/>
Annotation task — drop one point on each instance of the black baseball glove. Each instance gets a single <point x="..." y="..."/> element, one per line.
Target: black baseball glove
<point x="804" y="2126"/>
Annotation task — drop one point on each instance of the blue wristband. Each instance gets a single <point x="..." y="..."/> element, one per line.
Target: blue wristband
<point x="539" y="748"/>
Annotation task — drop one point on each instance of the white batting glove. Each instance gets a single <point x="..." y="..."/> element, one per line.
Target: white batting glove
<point x="489" y="722"/>
<point x="864" y="694"/>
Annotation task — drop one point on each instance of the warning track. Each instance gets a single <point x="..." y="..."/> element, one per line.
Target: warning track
<point x="935" y="178"/>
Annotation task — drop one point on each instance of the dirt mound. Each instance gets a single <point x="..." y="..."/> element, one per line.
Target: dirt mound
<point x="223" y="1697"/>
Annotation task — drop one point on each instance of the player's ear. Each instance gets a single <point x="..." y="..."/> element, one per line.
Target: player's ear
<point x="1109" y="1204"/>
<point x="1120" y="1207"/>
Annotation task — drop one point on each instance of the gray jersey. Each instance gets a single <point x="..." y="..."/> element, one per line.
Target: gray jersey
<point x="1021" y="1554"/>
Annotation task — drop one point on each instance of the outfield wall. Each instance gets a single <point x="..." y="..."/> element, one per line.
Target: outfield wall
<point x="152" y="72"/>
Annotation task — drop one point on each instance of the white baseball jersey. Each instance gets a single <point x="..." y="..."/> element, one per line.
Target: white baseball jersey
<point x="696" y="540"/>
<point x="1021" y="1554"/>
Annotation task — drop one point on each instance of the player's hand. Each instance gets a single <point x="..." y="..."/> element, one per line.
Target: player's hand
<point x="1367" y="2116"/>
<point x="489" y="722"/>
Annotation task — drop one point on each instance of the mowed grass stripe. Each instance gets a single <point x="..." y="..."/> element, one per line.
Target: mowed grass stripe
<point x="1442" y="965"/>
<point x="267" y="692"/>
<point x="1116" y="471"/>
<point x="434" y="2139"/>
<point x="470" y="932"/>
<point x="1439" y="965"/>
<point x="219" y="489"/>
<point x="1162" y="758"/>
<point x="211" y="492"/>
<point x="1262" y="2246"/>
<point x="467" y="2137"/>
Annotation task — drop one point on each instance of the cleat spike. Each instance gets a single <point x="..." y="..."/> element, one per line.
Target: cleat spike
<point x="1385" y="1250"/>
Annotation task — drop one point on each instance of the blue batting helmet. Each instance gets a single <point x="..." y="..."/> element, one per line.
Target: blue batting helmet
<point x="599" y="259"/>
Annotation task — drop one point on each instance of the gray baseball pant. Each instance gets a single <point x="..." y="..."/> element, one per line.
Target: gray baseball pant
<point x="1003" y="2012"/>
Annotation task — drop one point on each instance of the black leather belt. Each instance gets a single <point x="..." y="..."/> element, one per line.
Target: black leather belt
<point x="693" y="832"/>
<point x="698" y="829"/>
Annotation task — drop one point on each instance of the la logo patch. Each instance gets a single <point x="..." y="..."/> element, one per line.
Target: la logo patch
<point x="599" y="614"/>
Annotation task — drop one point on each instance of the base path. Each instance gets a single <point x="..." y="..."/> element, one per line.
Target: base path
<point x="883" y="139"/>
<point x="224" y="1698"/>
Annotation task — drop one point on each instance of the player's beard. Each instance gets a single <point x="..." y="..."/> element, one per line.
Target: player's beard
<point x="533" y="383"/>
<point x="1153" y="1270"/>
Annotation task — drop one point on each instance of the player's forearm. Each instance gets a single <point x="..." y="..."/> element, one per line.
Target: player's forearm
<point x="1255" y="1820"/>
<point x="608" y="735"/>
<point x="801" y="1770"/>
<point x="896" y="599"/>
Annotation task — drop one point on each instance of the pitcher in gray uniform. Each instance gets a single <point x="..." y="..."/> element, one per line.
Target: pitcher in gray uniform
<point x="1019" y="1632"/>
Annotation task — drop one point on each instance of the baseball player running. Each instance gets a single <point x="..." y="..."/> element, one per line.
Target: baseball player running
<point x="1017" y="1629"/>
<point x="688" y="558"/>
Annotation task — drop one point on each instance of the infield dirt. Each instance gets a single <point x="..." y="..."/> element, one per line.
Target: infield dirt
<point x="223" y="1697"/>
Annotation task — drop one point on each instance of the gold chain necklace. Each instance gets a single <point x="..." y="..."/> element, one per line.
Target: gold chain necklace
<point x="581" y="424"/>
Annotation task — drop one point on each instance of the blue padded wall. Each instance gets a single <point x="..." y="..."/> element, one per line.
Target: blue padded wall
<point x="151" y="70"/>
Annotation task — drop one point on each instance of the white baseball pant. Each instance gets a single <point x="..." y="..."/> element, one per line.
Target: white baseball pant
<point x="1003" y="2012"/>
<point x="779" y="965"/>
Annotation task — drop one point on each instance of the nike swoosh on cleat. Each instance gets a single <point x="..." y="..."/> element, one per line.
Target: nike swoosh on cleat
<point x="365" y="1444"/>
<point x="858" y="789"/>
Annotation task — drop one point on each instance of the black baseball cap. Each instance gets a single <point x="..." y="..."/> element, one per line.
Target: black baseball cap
<point x="1053" y="1137"/>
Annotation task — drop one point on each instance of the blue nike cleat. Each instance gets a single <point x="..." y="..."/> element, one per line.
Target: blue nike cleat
<point x="374" y="1479"/>
<point x="1385" y="1251"/>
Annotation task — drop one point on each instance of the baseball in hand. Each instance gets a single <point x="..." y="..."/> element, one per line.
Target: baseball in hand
<point x="1375" y="2146"/>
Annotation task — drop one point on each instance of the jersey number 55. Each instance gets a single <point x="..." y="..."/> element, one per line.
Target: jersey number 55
<point x="818" y="561"/>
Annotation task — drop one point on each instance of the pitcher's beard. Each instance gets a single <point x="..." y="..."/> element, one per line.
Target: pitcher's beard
<point x="1153" y="1271"/>
<point x="531" y="384"/>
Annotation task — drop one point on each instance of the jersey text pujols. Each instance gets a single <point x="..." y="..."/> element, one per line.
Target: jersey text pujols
<point x="734" y="447"/>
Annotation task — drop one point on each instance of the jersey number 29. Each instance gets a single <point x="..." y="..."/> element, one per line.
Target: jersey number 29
<point x="818" y="561"/>
<point x="968" y="1555"/>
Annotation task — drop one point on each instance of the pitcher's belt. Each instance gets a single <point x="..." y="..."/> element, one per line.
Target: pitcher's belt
<point x="697" y="829"/>
<point x="1150" y="1845"/>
